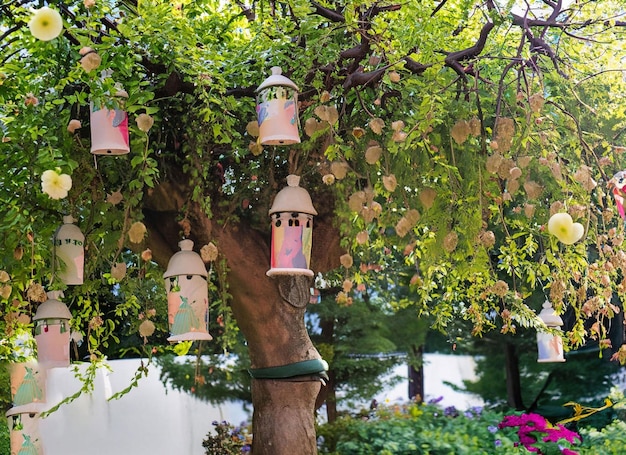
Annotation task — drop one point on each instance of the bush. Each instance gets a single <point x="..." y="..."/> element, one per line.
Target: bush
<point x="227" y="440"/>
<point x="5" y="441"/>
<point x="426" y="429"/>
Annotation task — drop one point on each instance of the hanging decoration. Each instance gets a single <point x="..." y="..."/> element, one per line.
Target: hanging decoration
<point x="277" y="110"/>
<point x="52" y="332"/>
<point x="109" y="129"/>
<point x="549" y="346"/>
<point x="24" y="429"/>
<point x="187" y="295"/>
<point x="292" y="230"/>
<point x="69" y="252"/>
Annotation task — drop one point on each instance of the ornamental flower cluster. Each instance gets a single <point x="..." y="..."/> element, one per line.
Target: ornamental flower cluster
<point x="537" y="435"/>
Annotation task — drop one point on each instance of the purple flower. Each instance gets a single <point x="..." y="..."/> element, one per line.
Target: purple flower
<point x="492" y="429"/>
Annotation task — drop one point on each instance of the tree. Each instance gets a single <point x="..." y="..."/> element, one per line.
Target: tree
<point x="446" y="134"/>
<point x="354" y="337"/>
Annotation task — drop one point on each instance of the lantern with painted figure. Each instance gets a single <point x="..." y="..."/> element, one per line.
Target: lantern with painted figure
<point x="549" y="346"/>
<point x="292" y="230"/>
<point x="23" y="422"/>
<point x="109" y="129"/>
<point x="69" y="252"/>
<point x="187" y="295"/>
<point x="28" y="382"/>
<point x="277" y="110"/>
<point x="52" y="332"/>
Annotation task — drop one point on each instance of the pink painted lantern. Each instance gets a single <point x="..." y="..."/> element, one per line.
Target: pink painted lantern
<point x="292" y="230"/>
<point x="52" y="332"/>
<point x="69" y="252"/>
<point x="109" y="129"/>
<point x="187" y="295"/>
<point x="23" y="424"/>
<point x="549" y="346"/>
<point x="277" y="110"/>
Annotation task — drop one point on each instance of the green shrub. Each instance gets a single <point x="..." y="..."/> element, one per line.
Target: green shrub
<point x="425" y="429"/>
<point x="5" y="442"/>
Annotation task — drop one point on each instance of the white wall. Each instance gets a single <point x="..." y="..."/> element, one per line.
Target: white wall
<point x="151" y="420"/>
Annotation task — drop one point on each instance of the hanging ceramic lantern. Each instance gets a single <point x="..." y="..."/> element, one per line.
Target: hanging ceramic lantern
<point x="292" y="230"/>
<point x="69" y="251"/>
<point x="52" y="332"/>
<point x="187" y="295"/>
<point x="109" y="129"/>
<point x="277" y="110"/>
<point x="23" y="424"/>
<point x="27" y="383"/>
<point x="549" y="346"/>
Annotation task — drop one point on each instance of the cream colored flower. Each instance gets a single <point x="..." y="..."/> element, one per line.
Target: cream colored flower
<point x="146" y="255"/>
<point x="137" y="232"/>
<point x="5" y="291"/>
<point x="328" y="179"/>
<point x="373" y="153"/>
<point x="118" y="271"/>
<point x="4" y="276"/>
<point x="390" y="183"/>
<point x="346" y="260"/>
<point x="73" y="125"/>
<point x="146" y="328"/>
<point x="115" y="198"/>
<point x="209" y="252"/>
<point x="46" y="24"/>
<point x="362" y="237"/>
<point x="36" y="293"/>
<point x="563" y="228"/>
<point x="144" y="122"/>
<point x="377" y="125"/>
<point x="89" y="3"/>
<point x="55" y="185"/>
<point x="90" y="61"/>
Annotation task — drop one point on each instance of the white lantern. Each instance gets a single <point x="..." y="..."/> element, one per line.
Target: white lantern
<point x="23" y="422"/>
<point x="52" y="332"/>
<point x="69" y="251"/>
<point x="187" y="295"/>
<point x="292" y="230"/>
<point x="549" y="346"/>
<point x="109" y="129"/>
<point x="277" y="110"/>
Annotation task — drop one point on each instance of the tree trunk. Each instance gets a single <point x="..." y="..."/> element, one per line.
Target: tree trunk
<point x="416" y="375"/>
<point x="513" y="385"/>
<point x="283" y="419"/>
<point x="269" y="312"/>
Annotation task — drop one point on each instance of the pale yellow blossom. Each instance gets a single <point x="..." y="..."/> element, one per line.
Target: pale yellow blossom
<point x="55" y="185"/>
<point x="46" y="24"/>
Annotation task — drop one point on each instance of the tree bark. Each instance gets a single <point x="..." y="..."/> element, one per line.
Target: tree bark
<point x="513" y="385"/>
<point x="416" y="375"/>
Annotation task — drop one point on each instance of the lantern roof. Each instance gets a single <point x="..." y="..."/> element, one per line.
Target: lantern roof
<point x="52" y="308"/>
<point x="277" y="79"/>
<point x="549" y="316"/>
<point x="185" y="262"/>
<point x="293" y="198"/>
<point x="28" y="408"/>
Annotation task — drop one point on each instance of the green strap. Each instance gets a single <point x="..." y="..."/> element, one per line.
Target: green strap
<point x="313" y="366"/>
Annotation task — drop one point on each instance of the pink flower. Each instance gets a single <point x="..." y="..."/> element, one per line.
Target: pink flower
<point x="560" y="432"/>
